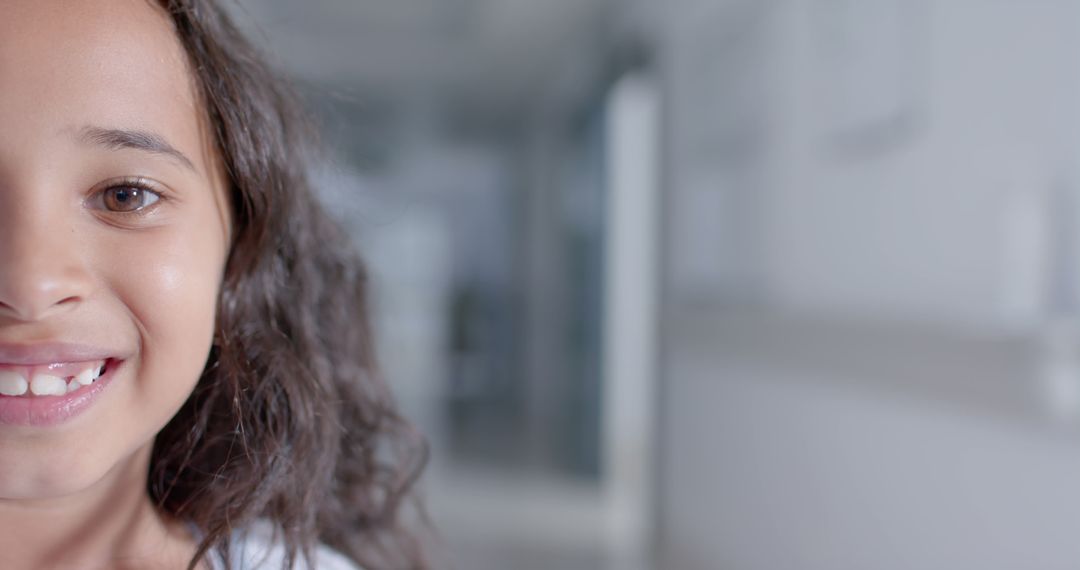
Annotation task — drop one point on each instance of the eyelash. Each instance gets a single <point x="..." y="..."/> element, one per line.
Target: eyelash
<point x="97" y="197"/>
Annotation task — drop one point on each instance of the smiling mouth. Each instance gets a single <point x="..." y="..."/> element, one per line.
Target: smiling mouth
<point x="58" y="379"/>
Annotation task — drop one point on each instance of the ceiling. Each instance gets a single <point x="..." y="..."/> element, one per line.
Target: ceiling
<point x="480" y="53"/>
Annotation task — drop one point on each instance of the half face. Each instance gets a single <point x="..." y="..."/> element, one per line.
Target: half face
<point x="113" y="238"/>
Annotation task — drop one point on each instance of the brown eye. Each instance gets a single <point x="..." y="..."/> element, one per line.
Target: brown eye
<point x="127" y="198"/>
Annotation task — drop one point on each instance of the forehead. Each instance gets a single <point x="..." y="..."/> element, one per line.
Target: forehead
<point x="115" y="63"/>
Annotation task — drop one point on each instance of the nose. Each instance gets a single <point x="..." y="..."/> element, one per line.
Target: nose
<point x="41" y="273"/>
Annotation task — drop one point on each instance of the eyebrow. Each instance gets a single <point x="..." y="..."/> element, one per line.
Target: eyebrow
<point x="147" y="141"/>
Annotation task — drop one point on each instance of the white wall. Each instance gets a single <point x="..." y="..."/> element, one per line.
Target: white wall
<point x="778" y="186"/>
<point x="929" y="196"/>
<point x="767" y="471"/>
<point x="922" y="225"/>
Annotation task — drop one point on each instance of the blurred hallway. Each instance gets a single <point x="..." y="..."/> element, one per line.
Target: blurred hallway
<point x="719" y="284"/>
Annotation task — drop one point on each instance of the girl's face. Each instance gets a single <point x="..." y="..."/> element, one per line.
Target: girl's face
<point x="113" y="237"/>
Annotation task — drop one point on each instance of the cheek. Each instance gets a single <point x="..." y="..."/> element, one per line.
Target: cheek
<point x="168" y="281"/>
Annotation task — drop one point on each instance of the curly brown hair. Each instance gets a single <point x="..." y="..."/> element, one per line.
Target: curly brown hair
<point x="290" y="422"/>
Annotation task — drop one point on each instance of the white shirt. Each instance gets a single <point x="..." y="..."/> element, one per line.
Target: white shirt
<point x="254" y="549"/>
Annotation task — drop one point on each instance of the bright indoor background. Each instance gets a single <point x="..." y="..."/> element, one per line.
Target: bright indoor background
<point x="718" y="284"/>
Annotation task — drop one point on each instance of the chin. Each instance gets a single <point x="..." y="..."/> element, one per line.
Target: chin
<point x="60" y="469"/>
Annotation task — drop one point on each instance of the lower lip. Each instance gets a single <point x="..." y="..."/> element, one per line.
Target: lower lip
<point x="48" y="411"/>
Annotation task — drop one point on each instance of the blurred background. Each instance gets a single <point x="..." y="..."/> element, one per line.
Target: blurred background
<point x="718" y="284"/>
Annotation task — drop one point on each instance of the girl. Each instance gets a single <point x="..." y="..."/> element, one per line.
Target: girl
<point x="186" y="372"/>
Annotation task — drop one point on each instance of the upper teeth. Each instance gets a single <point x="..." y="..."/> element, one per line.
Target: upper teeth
<point x="44" y="384"/>
<point x="48" y="385"/>
<point x="12" y="383"/>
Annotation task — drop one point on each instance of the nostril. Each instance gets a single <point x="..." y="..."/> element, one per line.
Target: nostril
<point x="35" y="309"/>
<point x="41" y="273"/>
<point x="9" y="310"/>
<point x="34" y="286"/>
